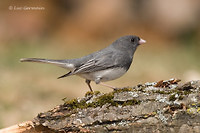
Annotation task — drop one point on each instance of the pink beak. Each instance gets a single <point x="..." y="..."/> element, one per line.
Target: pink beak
<point x="141" y="41"/>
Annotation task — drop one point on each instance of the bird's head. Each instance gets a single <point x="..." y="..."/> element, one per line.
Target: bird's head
<point x="129" y="42"/>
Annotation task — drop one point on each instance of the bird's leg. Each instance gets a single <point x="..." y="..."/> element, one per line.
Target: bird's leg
<point x="98" y="81"/>
<point x="109" y="86"/>
<point x="88" y="83"/>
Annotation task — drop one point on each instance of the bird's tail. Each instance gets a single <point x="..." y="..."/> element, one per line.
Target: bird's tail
<point x="60" y="63"/>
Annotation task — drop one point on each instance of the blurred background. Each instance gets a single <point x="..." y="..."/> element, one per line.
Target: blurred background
<point x="70" y="29"/>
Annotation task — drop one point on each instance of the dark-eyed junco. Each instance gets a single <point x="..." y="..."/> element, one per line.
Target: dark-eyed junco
<point x="104" y="65"/>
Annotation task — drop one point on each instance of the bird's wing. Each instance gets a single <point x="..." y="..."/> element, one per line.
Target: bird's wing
<point x="97" y="63"/>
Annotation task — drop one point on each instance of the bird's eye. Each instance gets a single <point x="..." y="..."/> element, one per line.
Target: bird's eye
<point x="132" y="39"/>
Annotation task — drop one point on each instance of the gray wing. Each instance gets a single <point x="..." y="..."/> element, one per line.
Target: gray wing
<point x="101" y="62"/>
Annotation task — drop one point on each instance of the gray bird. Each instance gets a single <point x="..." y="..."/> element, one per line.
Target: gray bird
<point x="104" y="65"/>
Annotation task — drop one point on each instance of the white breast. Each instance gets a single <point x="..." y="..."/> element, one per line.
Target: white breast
<point x="104" y="75"/>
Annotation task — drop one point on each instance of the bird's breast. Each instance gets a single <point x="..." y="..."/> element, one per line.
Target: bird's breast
<point x="104" y="75"/>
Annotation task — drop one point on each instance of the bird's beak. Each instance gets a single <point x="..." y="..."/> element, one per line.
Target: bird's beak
<point x="141" y="41"/>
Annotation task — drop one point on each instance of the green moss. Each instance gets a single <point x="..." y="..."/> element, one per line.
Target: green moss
<point x="122" y="90"/>
<point x="102" y="99"/>
<point x="72" y="104"/>
<point x="131" y="102"/>
<point x="96" y="93"/>
<point x="180" y="97"/>
<point x="90" y="93"/>
<point x="172" y="97"/>
<point x="99" y="101"/>
<point x="106" y="98"/>
<point x="186" y="92"/>
<point x="162" y="92"/>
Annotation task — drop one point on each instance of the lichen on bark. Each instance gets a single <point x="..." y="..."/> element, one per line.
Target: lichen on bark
<point x="159" y="106"/>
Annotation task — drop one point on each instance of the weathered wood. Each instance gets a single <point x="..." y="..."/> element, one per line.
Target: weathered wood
<point x="18" y="128"/>
<point x="163" y="106"/>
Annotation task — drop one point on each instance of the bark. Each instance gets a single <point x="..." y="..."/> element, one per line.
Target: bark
<point x="163" y="106"/>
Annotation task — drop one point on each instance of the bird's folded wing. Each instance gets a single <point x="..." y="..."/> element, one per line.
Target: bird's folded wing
<point x="96" y="64"/>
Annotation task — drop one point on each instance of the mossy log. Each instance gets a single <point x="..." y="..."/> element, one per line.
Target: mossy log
<point x="163" y="106"/>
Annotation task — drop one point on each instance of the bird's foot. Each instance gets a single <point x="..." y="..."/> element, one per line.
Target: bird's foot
<point x="109" y="86"/>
